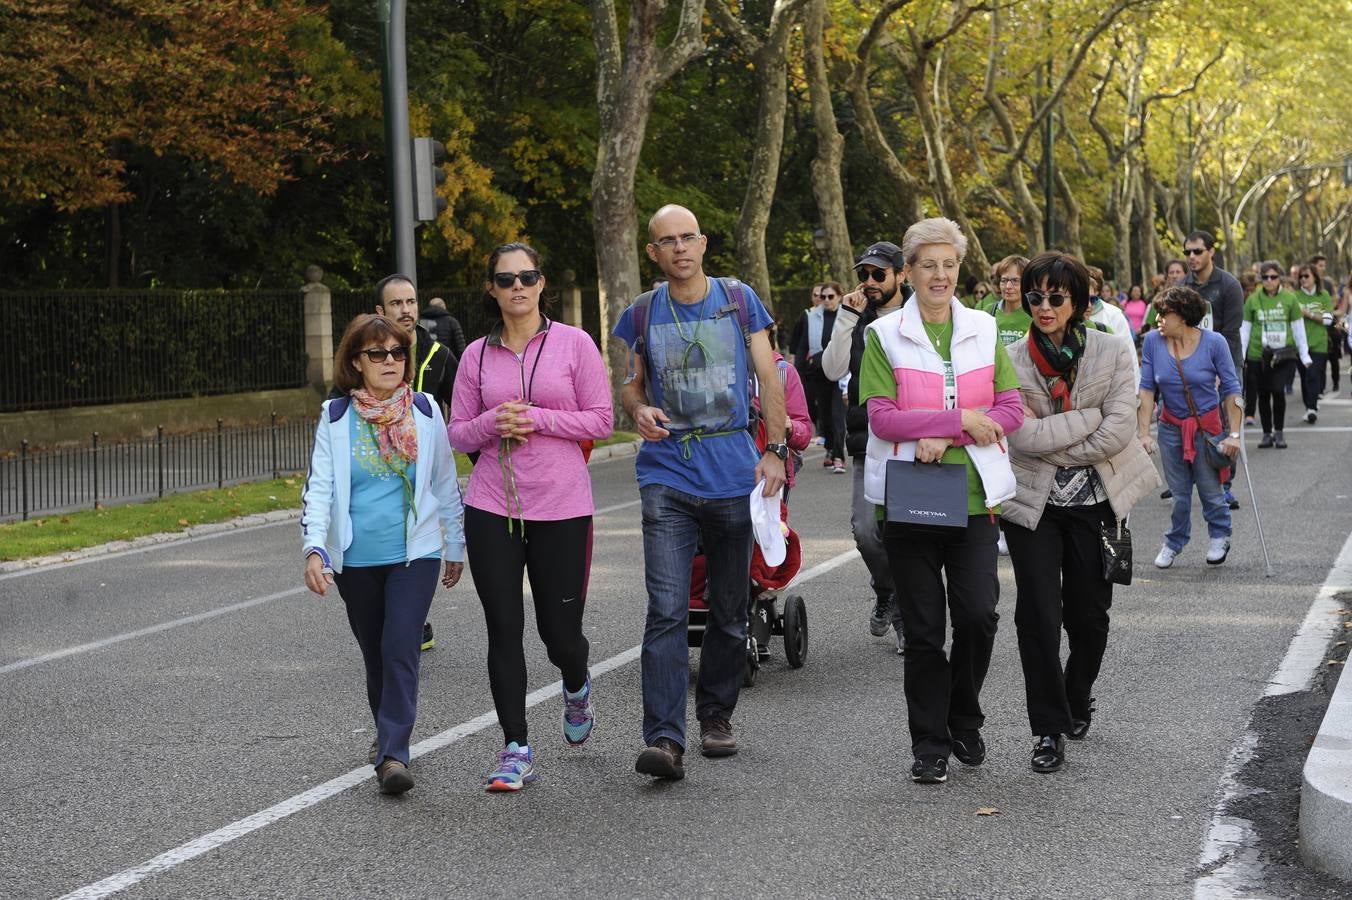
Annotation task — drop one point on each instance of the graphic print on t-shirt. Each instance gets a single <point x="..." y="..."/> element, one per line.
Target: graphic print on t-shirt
<point x="696" y="366"/>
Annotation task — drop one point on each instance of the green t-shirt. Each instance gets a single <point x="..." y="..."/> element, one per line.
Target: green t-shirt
<point x="876" y="379"/>
<point x="1316" y="333"/>
<point x="1011" y="326"/>
<point x="1271" y="316"/>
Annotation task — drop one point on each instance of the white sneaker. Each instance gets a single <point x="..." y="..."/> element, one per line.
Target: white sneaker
<point x="1216" y="551"/>
<point x="1166" y="557"/>
<point x="1004" y="548"/>
<point x="1311" y="417"/>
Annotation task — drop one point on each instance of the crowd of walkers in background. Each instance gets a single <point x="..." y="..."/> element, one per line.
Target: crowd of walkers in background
<point x="1016" y="417"/>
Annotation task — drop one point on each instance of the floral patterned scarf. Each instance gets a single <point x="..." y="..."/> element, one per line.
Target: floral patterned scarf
<point x="392" y="420"/>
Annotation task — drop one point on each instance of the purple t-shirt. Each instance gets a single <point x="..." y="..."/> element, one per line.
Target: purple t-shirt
<point x="1210" y="361"/>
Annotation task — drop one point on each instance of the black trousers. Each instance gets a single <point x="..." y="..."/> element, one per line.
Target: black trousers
<point x="1265" y="386"/>
<point x="1058" y="573"/>
<point x="556" y="557"/>
<point x="1312" y="378"/>
<point x="830" y="408"/>
<point x="943" y="692"/>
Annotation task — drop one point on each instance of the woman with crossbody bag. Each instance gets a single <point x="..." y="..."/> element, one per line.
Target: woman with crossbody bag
<point x="1079" y="469"/>
<point x="1185" y="363"/>
<point x="1273" y="333"/>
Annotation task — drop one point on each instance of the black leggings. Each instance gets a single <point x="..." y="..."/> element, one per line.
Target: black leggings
<point x="1266" y="387"/>
<point x="556" y="556"/>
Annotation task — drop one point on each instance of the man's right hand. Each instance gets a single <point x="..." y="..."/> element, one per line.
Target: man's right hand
<point x="856" y="299"/>
<point x="647" y="419"/>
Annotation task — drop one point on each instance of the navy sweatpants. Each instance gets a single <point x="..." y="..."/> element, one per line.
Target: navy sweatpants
<point x="386" y="607"/>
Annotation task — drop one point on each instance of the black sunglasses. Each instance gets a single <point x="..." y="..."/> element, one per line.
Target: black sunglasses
<point x="1035" y="299"/>
<point x="1272" y="278"/>
<point x="1194" y="251"/>
<point x="378" y="356"/>
<point x="529" y="278"/>
<point x="878" y="275"/>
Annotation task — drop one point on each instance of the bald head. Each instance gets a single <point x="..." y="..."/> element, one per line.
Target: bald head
<point x="672" y="219"/>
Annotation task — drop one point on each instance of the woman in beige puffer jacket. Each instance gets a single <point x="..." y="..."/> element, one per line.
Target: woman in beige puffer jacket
<point x="1078" y="463"/>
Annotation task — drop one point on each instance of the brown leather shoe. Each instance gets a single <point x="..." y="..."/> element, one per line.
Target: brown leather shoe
<point x="393" y="776"/>
<point x="715" y="737"/>
<point x="662" y="760"/>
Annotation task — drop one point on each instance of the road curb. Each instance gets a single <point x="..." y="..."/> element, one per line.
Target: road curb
<point x="1326" y="790"/>
<point x="149" y="541"/>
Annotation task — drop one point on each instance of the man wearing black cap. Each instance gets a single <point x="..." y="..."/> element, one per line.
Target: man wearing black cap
<point x="880" y="292"/>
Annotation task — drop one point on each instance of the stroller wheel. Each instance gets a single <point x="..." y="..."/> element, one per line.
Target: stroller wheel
<point x="752" y="664"/>
<point x="795" y="631"/>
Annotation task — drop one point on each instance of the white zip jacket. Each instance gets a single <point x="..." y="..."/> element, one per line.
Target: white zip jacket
<point x="326" y="520"/>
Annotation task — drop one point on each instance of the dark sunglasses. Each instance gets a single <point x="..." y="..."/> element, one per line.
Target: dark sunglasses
<point x="1195" y="251"/>
<point x="828" y="296"/>
<point x="529" y="278"/>
<point x="378" y="356"/>
<point x="1272" y="278"/>
<point x="1035" y="299"/>
<point x="878" y="275"/>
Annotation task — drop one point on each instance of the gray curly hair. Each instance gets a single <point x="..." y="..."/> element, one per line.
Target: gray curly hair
<point x="932" y="231"/>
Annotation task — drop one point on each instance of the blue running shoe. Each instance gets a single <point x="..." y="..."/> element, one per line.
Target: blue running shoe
<point x="578" y="715"/>
<point x="515" y="768"/>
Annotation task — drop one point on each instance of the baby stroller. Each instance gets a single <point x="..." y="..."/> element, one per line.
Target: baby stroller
<point x="764" y="617"/>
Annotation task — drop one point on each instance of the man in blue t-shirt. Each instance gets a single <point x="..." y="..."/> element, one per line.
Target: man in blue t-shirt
<point x="688" y="394"/>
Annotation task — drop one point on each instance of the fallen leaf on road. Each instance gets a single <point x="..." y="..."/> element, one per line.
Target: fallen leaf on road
<point x="1341" y="644"/>
<point x="1335" y="662"/>
<point x="988" y="811"/>
<point x="290" y="481"/>
<point x="183" y="521"/>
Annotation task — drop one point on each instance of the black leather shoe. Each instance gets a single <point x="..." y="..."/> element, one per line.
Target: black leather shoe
<point x="1079" y="723"/>
<point x="662" y="760"/>
<point x="1049" y="752"/>
<point x="929" y="770"/>
<point x="1265" y="441"/>
<point x="969" y="748"/>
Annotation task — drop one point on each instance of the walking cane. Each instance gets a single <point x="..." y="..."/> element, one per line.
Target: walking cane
<point x="1253" y="498"/>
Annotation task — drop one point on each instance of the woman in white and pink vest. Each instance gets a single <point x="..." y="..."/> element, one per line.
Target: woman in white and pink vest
<point x="940" y="388"/>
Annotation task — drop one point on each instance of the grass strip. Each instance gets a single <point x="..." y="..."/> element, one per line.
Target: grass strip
<point x="63" y="533"/>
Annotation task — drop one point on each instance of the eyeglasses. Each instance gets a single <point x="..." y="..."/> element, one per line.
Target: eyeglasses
<point x="866" y="274"/>
<point x="1035" y="298"/>
<point x="1306" y="275"/>
<point x="1272" y="278"/>
<point x="671" y="243"/>
<point x="378" y="356"/>
<point x="1193" y="251"/>
<point x="828" y="296"/>
<point x="529" y="278"/>
<point x="1010" y="280"/>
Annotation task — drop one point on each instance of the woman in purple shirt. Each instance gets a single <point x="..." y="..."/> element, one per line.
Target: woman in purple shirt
<point x="1190" y="412"/>
<point x="524" y="397"/>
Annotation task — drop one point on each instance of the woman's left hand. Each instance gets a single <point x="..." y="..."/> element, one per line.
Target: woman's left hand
<point x="1230" y="447"/>
<point x="929" y="450"/>
<point x="452" y="574"/>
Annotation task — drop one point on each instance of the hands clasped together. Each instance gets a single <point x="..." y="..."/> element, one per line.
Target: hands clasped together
<point x="512" y="422"/>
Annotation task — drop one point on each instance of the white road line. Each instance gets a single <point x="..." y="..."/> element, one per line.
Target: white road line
<point x="1228" y="856"/>
<point x="235" y="830"/>
<point x="153" y="629"/>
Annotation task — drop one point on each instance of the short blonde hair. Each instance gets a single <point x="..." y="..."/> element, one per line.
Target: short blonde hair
<point x="932" y="231"/>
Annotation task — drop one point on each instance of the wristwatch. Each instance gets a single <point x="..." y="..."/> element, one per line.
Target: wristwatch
<point x="1234" y="435"/>
<point x="780" y="450"/>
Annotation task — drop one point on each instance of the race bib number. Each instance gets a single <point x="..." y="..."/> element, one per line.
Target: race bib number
<point x="1274" y="327"/>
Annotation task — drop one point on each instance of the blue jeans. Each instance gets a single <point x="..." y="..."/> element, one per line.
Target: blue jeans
<point x="675" y="525"/>
<point x="1181" y="477"/>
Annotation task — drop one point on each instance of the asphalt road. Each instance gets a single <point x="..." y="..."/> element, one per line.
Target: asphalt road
<point x="128" y="750"/>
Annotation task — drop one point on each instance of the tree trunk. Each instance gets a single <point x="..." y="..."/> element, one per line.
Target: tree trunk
<point x="826" y="184"/>
<point x="771" y="62"/>
<point x="1073" y="213"/>
<point x="1120" y="214"/>
<point x="628" y="75"/>
<point x="112" y="244"/>
<point x="936" y="151"/>
<point x="1145" y="224"/>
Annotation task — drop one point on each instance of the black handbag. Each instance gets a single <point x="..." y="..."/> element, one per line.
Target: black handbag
<point x="1114" y="545"/>
<point x="926" y="493"/>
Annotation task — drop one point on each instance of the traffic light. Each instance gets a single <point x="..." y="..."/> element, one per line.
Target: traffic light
<point x="428" y="174"/>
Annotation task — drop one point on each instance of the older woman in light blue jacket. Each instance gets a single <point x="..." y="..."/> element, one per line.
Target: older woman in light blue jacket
<point x="382" y="509"/>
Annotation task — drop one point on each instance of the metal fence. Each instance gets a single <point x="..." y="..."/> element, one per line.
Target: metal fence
<point x="99" y="474"/>
<point x="73" y="348"/>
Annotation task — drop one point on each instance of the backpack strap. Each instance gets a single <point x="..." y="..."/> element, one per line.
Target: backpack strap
<point x="642" y="304"/>
<point x="737" y="293"/>
<point x="423" y="405"/>
<point x="338" y="408"/>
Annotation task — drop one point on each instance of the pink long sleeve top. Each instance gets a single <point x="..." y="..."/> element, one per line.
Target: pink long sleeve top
<point x="891" y="423"/>
<point x="561" y="375"/>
